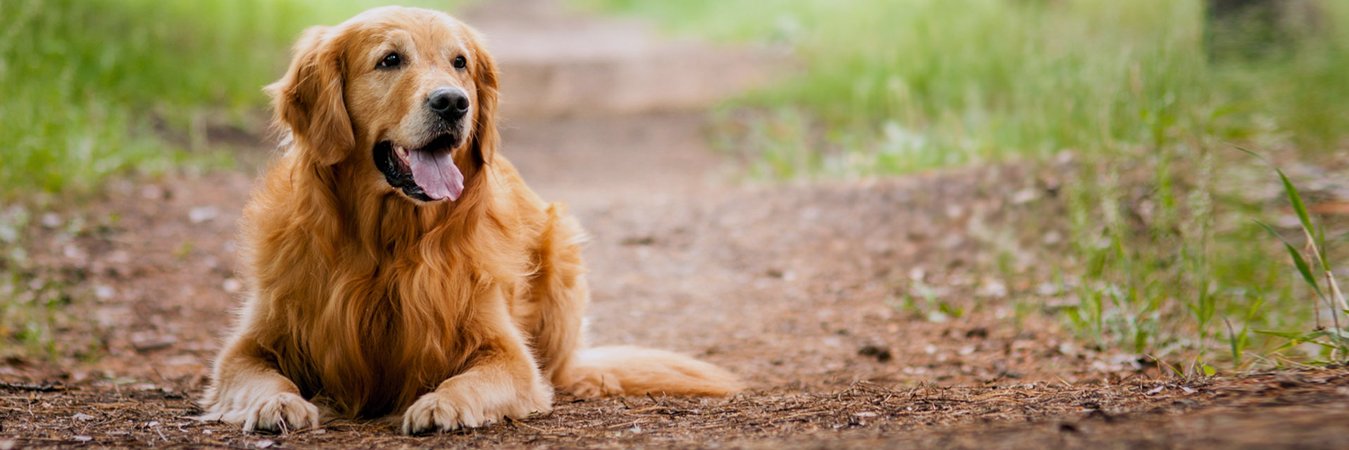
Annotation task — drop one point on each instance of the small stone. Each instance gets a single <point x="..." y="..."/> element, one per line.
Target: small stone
<point x="202" y="214"/>
<point x="8" y="233"/>
<point x="1025" y="196"/>
<point x="881" y="354"/>
<point x="51" y="220"/>
<point x="82" y="417"/>
<point x="992" y="288"/>
<point x="146" y="342"/>
<point x="74" y="252"/>
<point x="153" y="193"/>
<point x="232" y="286"/>
<point x="917" y="274"/>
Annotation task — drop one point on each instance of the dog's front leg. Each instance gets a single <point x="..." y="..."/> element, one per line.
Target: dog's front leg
<point x="249" y="391"/>
<point x="503" y="381"/>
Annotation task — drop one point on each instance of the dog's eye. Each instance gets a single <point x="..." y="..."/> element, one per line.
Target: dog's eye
<point x="460" y="62"/>
<point x="391" y="60"/>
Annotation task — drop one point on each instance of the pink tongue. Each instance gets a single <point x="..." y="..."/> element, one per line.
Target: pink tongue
<point x="436" y="174"/>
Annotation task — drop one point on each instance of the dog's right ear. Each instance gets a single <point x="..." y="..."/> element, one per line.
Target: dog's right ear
<point x="308" y="99"/>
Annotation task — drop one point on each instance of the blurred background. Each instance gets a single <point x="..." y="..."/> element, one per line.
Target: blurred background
<point x="1143" y="135"/>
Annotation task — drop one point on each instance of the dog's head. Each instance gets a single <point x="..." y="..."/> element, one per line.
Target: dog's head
<point x="402" y="95"/>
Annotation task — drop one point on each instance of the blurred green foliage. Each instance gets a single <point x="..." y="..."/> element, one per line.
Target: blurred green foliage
<point x="1163" y="257"/>
<point x="89" y="85"/>
<point x="914" y="84"/>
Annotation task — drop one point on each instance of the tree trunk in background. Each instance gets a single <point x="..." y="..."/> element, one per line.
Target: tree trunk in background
<point x="1258" y="28"/>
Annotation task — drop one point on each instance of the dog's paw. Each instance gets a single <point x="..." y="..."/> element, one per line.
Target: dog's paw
<point x="278" y="413"/>
<point x="284" y="412"/>
<point x="436" y="412"/>
<point x="464" y="405"/>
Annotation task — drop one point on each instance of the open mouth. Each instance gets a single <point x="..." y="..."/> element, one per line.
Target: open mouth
<point x="427" y="173"/>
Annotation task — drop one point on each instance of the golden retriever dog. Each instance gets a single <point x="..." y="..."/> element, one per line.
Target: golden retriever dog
<point x="398" y="266"/>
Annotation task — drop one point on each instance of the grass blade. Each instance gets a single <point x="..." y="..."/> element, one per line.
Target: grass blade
<point x="1235" y="343"/>
<point x="1301" y="263"/>
<point x="1304" y="269"/>
<point x="1296" y="200"/>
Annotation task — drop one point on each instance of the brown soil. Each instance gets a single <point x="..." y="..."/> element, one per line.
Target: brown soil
<point x="799" y="288"/>
<point x="792" y="286"/>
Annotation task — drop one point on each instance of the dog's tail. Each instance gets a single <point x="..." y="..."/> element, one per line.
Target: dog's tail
<point x="624" y="370"/>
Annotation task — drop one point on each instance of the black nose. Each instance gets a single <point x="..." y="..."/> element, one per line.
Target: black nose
<point x="448" y="103"/>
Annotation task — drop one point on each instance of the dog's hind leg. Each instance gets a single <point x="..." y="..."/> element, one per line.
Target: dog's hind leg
<point x="558" y="297"/>
<point x="552" y="313"/>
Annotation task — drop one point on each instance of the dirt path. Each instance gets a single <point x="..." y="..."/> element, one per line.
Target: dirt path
<point x="799" y="288"/>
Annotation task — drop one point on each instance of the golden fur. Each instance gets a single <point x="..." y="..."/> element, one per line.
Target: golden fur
<point x="364" y="300"/>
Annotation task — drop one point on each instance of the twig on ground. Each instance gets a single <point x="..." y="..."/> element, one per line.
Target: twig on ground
<point x="26" y="387"/>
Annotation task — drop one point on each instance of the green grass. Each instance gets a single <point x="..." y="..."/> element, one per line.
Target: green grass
<point x="1165" y="255"/>
<point x="917" y="84"/>
<point x="1318" y="272"/>
<point x="89" y="86"/>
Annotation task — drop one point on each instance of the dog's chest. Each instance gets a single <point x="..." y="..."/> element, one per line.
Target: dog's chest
<point x="388" y="339"/>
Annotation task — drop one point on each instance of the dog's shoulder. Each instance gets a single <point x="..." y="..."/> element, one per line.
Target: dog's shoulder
<point x="539" y="218"/>
<point x="511" y="189"/>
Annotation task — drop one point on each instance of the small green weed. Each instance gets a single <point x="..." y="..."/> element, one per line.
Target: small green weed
<point x="1315" y="267"/>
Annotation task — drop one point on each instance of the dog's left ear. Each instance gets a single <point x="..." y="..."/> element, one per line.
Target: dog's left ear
<point x="309" y="100"/>
<point x="484" y="71"/>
